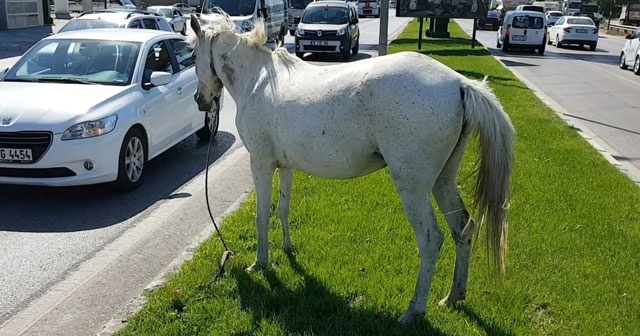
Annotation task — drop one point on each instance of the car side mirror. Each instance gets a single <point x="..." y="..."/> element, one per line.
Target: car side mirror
<point x="157" y="78"/>
<point x="354" y="21"/>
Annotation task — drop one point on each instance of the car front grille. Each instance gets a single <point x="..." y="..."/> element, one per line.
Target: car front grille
<point x="38" y="142"/>
<point x="36" y="173"/>
<point x="314" y="34"/>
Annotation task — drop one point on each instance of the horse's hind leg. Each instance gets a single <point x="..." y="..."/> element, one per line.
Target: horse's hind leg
<point x="460" y="223"/>
<point x="286" y="182"/>
<point x="416" y="199"/>
<point x="262" y="171"/>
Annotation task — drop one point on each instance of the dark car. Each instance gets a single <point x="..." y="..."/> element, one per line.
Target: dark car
<point x="491" y="21"/>
<point x="328" y="27"/>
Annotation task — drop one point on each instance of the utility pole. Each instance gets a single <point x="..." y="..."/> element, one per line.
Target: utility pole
<point x="384" y="27"/>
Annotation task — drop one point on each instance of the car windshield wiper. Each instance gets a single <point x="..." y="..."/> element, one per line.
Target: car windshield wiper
<point x="65" y="80"/>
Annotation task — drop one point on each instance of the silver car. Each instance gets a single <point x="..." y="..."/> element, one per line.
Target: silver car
<point x="173" y="16"/>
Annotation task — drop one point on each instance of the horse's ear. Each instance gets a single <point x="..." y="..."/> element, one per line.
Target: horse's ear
<point x="195" y="25"/>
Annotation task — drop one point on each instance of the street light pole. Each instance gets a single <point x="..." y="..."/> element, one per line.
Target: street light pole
<point x="384" y="27"/>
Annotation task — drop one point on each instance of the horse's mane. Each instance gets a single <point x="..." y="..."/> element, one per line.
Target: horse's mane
<point x="256" y="37"/>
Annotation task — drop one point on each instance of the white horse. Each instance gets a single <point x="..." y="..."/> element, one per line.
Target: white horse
<point x="405" y="111"/>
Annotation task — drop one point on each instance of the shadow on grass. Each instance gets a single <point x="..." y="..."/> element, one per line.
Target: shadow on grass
<point x="490" y="328"/>
<point x="312" y="308"/>
<point x="453" y="41"/>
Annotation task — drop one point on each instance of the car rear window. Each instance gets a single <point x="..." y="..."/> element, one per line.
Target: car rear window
<point x="580" y="21"/>
<point x="528" y="22"/>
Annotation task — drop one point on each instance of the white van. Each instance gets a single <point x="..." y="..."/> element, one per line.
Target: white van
<point x="524" y="30"/>
<point x="245" y="13"/>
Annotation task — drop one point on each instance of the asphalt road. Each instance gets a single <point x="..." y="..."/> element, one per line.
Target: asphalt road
<point x="587" y="88"/>
<point x="73" y="258"/>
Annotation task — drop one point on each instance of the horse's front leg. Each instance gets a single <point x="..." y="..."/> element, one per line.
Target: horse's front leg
<point x="286" y="182"/>
<point x="262" y="171"/>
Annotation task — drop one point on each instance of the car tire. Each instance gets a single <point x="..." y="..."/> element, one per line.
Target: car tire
<point x="356" y="48"/>
<point x="132" y="160"/>
<point x="498" y="44"/>
<point x="549" y="39"/>
<point x="623" y="63"/>
<point x="593" y="46"/>
<point x="299" y="54"/>
<point x="636" y="66"/>
<point x="541" y="49"/>
<point x="346" y="53"/>
<point x="211" y="124"/>
<point x="505" y="45"/>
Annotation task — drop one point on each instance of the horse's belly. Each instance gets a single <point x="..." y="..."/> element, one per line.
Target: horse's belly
<point x="338" y="165"/>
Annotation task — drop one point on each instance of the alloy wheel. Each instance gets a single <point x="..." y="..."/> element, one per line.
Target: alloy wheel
<point x="134" y="159"/>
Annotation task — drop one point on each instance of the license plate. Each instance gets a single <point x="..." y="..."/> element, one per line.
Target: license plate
<point x="20" y="155"/>
<point x="320" y="43"/>
<point x="519" y="37"/>
<point x="581" y="31"/>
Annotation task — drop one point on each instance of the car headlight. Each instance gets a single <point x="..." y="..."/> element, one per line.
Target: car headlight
<point x="341" y="31"/>
<point x="300" y="31"/>
<point x="90" y="129"/>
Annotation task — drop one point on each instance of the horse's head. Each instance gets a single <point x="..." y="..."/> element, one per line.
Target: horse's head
<point x="209" y="85"/>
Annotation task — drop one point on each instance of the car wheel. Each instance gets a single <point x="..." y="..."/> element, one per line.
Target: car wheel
<point x="132" y="160"/>
<point x="593" y="46"/>
<point x="355" y="48"/>
<point x="211" y="123"/>
<point x="299" y="54"/>
<point x="558" y="44"/>
<point x="541" y="49"/>
<point x="498" y="44"/>
<point x="623" y="63"/>
<point x="346" y="53"/>
<point x="549" y="39"/>
<point x="636" y="66"/>
<point x="505" y="45"/>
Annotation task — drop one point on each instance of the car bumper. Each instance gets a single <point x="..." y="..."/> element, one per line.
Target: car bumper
<point x="320" y="46"/>
<point x="579" y="39"/>
<point x="65" y="162"/>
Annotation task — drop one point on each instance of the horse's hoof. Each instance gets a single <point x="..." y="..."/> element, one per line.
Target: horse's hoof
<point x="288" y="249"/>
<point x="407" y="318"/>
<point x="450" y="301"/>
<point x="256" y="267"/>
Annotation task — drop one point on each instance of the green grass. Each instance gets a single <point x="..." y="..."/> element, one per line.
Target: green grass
<point x="573" y="265"/>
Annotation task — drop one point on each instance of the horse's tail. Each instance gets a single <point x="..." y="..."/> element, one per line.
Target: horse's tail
<point x="483" y="112"/>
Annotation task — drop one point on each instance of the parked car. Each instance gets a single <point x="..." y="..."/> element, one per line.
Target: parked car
<point x="108" y="100"/>
<point x="328" y="27"/>
<point x="119" y="18"/>
<point x="491" y="21"/>
<point x="524" y="30"/>
<point x="173" y="16"/>
<point x="184" y="8"/>
<point x="552" y="17"/>
<point x="577" y="30"/>
<point x="630" y="54"/>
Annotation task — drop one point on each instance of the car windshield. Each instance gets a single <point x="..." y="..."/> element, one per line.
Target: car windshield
<point x="166" y="12"/>
<point x="528" y="22"/>
<point x="325" y="14"/>
<point x="77" y="61"/>
<point x="299" y="4"/>
<point x="234" y="7"/>
<point x="580" y="21"/>
<point x="81" y="24"/>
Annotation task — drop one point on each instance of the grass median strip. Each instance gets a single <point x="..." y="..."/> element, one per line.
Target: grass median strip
<point x="573" y="265"/>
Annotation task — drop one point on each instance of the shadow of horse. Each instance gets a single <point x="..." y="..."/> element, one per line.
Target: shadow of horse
<point x="312" y="307"/>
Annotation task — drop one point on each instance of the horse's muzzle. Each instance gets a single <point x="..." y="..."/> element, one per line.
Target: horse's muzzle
<point x="202" y="105"/>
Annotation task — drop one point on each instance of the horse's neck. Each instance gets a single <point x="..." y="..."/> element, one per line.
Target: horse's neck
<point x="243" y="68"/>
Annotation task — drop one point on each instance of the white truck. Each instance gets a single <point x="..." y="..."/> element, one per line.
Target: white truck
<point x="630" y="15"/>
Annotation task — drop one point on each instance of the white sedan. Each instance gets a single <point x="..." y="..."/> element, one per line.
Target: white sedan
<point x="93" y="106"/>
<point x="576" y="30"/>
<point x="173" y="16"/>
